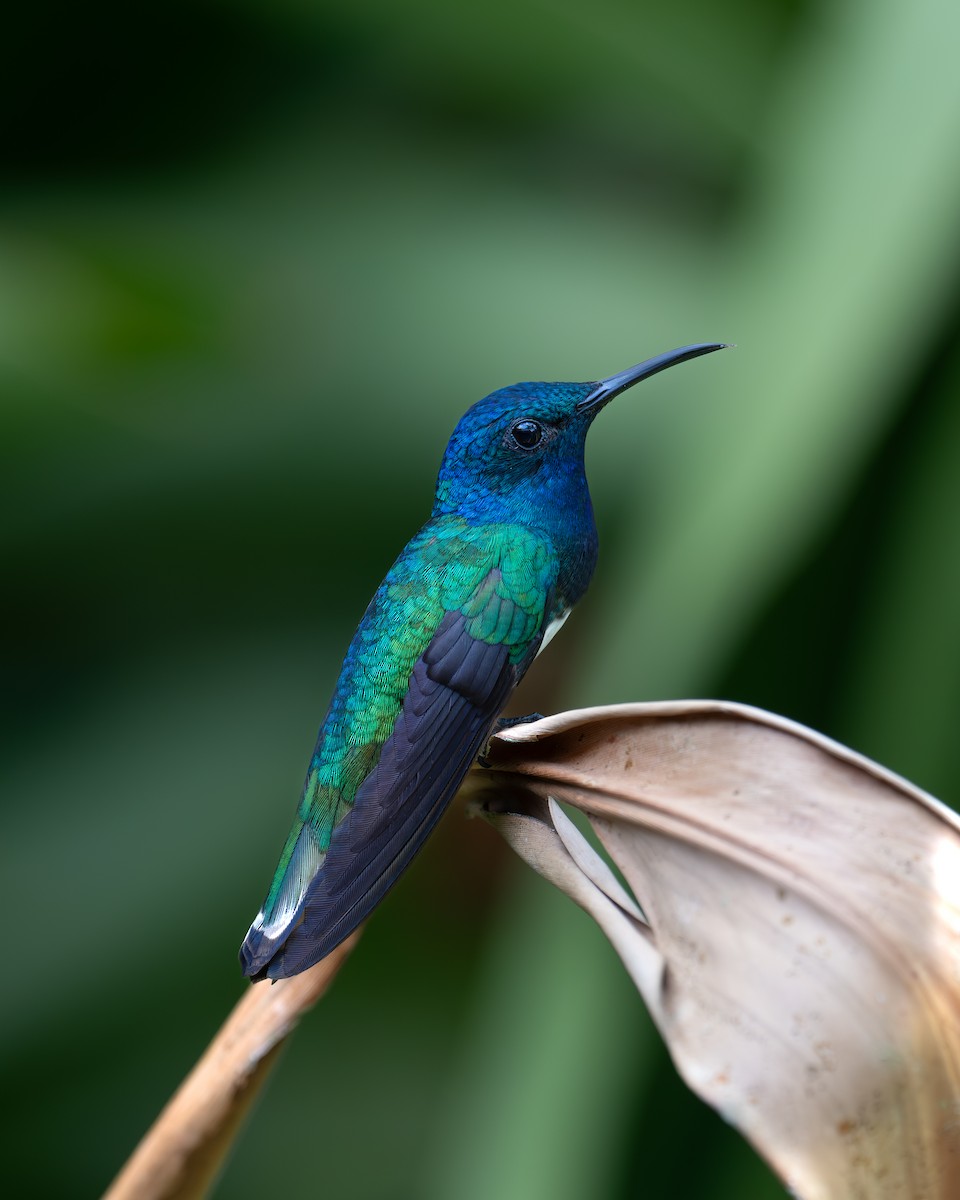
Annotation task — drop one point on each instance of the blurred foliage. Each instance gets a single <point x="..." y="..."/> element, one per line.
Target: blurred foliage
<point x="257" y="259"/>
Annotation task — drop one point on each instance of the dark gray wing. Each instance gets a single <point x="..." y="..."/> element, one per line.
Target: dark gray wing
<point x="457" y="689"/>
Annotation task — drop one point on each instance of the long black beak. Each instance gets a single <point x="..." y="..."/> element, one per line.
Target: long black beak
<point x="606" y="389"/>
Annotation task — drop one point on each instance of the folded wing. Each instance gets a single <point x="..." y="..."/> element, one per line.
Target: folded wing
<point x="457" y="688"/>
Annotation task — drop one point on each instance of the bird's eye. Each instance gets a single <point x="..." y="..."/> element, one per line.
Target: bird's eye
<point x="527" y="434"/>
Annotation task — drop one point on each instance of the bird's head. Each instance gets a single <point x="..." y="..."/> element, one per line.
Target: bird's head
<point x="523" y="445"/>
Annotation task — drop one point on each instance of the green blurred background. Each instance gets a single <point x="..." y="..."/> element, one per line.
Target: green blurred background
<point x="255" y="260"/>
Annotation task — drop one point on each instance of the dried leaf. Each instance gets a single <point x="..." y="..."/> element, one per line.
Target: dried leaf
<point x="802" y="958"/>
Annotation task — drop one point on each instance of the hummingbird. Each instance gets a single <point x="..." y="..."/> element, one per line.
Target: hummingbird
<point x="474" y="597"/>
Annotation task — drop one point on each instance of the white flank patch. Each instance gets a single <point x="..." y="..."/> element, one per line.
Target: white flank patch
<point x="552" y="630"/>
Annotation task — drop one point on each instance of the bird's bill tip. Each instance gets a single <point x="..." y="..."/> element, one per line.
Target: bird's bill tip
<point x="605" y="390"/>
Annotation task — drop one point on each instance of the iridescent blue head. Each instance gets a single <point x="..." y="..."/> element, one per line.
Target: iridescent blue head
<point x="517" y="455"/>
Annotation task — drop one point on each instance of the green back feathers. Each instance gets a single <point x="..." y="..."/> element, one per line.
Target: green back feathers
<point x="498" y="576"/>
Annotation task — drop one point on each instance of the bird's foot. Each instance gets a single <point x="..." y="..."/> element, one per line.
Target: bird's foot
<point x="509" y="722"/>
<point x="505" y="723"/>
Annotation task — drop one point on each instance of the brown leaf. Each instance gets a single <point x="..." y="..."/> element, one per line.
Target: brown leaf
<point x="802" y="958"/>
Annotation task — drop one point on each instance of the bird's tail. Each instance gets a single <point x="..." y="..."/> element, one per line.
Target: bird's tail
<point x="282" y="910"/>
